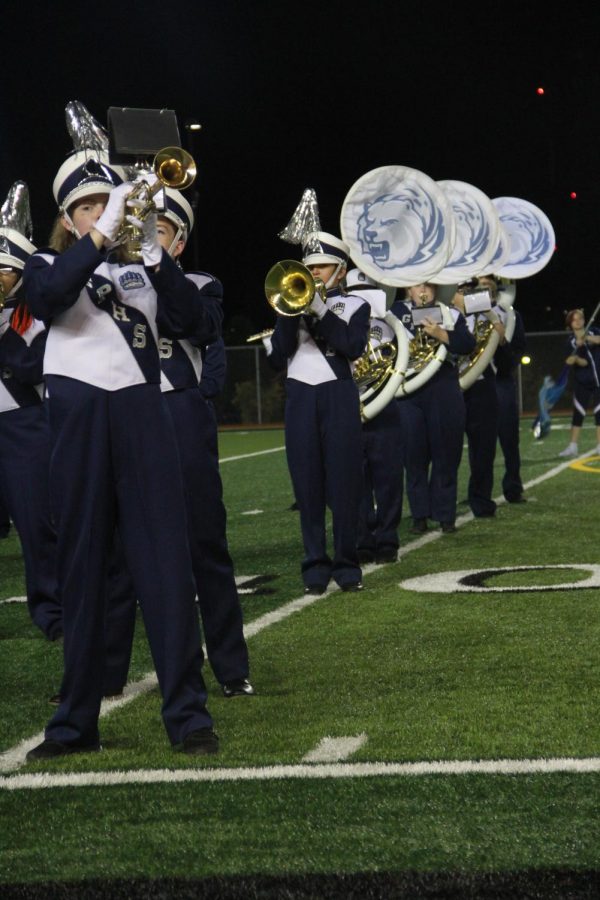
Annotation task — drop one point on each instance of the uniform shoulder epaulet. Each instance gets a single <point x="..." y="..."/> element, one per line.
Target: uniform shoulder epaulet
<point x="203" y="274"/>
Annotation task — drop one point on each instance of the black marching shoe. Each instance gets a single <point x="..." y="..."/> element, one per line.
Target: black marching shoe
<point x="240" y="687"/>
<point x="315" y="590"/>
<point x="388" y="555"/>
<point x="519" y="499"/>
<point x="201" y="742"/>
<point x="50" y="749"/>
<point x="448" y="527"/>
<point x="419" y="526"/>
<point x="365" y="556"/>
<point x="352" y="586"/>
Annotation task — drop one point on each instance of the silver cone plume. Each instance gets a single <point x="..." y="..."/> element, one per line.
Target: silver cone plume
<point x="16" y="211"/>
<point x="86" y="133"/>
<point x="304" y="222"/>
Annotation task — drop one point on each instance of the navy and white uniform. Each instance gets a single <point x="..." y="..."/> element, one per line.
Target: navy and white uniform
<point x="506" y="361"/>
<point x="381" y="507"/>
<point x="25" y="460"/>
<point x="193" y="374"/>
<point x="115" y="465"/>
<point x="323" y="429"/>
<point x="481" y="429"/>
<point x="586" y="387"/>
<point x="433" y="425"/>
<point x="191" y="377"/>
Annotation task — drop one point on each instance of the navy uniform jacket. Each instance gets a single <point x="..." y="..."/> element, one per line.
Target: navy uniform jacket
<point x="460" y="340"/>
<point x="106" y="334"/>
<point x="318" y="348"/>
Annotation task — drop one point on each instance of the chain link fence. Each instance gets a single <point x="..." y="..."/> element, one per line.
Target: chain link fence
<point x="255" y="395"/>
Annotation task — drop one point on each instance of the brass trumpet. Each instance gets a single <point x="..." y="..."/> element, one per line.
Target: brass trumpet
<point x="173" y="167"/>
<point x="290" y="288"/>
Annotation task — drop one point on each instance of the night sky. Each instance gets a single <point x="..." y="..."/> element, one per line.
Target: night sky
<point x="307" y="94"/>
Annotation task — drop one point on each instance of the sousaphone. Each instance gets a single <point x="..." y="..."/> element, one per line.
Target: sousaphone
<point x="382" y="368"/>
<point x="479" y="236"/>
<point x="400" y="230"/>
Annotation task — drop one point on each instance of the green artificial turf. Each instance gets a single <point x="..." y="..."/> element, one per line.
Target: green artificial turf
<point x="424" y="676"/>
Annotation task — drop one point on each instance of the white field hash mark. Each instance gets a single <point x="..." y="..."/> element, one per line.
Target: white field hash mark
<point x="335" y="749"/>
<point x="15" y="757"/>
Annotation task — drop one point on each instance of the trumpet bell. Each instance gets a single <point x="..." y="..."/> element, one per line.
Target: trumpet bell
<point x="290" y="287"/>
<point x="175" y="168"/>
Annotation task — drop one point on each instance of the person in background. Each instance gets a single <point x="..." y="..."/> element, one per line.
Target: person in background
<point x="24" y="431"/>
<point x="381" y="508"/>
<point x="433" y="418"/>
<point x="114" y="461"/>
<point x="322" y="414"/>
<point x="583" y="348"/>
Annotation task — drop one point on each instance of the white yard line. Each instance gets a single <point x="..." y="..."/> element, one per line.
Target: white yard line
<point x="328" y="770"/>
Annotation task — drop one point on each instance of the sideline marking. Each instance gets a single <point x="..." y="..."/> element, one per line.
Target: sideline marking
<point x="326" y="770"/>
<point x="248" y="455"/>
<point x="335" y="749"/>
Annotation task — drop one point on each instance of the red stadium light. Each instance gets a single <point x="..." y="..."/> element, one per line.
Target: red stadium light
<point x="540" y="91"/>
<point x="573" y="195"/>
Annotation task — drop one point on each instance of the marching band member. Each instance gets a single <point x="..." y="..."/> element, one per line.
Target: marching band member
<point x="322" y="415"/>
<point x="433" y="419"/>
<point x="583" y="348"/>
<point x="217" y="591"/>
<point x="114" y="461"/>
<point x="192" y="374"/>
<point x="24" y="432"/>
<point x="506" y="360"/>
<point x="383" y="487"/>
<point x="481" y="427"/>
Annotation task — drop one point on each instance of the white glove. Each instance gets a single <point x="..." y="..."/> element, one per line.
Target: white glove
<point x="317" y="306"/>
<point x="151" y="248"/>
<point x="111" y="219"/>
